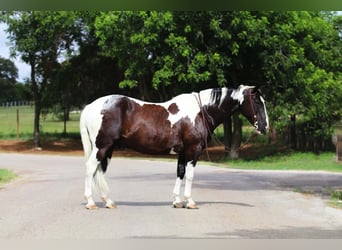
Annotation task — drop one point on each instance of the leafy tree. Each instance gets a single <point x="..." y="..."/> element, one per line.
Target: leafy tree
<point x="293" y="56"/>
<point x="40" y="39"/>
<point x="301" y="61"/>
<point x="8" y="75"/>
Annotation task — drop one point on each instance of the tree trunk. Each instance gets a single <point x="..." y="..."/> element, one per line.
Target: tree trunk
<point x="37" y="109"/>
<point x="293" y="139"/>
<point x="65" y="119"/>
<point x="37" y="105"/>
<point x="237" y="137"/>
<point x="272" y="135"/>
<point x="228" y="132"/>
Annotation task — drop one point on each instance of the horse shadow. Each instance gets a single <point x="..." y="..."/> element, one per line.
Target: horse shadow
<point x="169" y="204"/>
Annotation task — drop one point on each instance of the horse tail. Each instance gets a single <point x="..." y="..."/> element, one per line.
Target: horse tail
<point x="99" y="183"/>
<point x="85" y="138"/>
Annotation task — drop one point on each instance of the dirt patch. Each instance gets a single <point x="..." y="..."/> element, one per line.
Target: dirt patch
<point x="74" y="147"/>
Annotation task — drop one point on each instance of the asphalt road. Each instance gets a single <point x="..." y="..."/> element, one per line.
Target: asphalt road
<point x="46" y="202"/>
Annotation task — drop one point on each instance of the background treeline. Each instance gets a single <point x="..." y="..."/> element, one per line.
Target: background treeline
<point x="75" y="57"/>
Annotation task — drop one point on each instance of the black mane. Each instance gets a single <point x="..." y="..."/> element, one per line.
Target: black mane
<point x="216" y="95"/>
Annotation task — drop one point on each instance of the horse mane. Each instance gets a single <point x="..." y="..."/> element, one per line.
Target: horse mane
<point x="215" y="96"/>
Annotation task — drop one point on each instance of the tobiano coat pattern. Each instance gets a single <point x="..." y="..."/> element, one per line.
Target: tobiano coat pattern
<point x="182" y="125"/>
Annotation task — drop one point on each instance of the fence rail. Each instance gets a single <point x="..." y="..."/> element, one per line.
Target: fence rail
<point x="19" y="103"/>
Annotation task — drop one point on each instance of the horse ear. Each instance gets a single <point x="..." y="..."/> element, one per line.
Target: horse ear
<point x="257" y="89"/>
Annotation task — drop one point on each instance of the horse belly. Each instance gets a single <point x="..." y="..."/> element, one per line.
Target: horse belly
<point x="155" y="142"/>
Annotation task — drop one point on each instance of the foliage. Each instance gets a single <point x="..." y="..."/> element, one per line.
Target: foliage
<point x="294" y="56"/>
<point x="8" y="75"/>
<point x="302" y="64"/>
<point x="40" y="38"/>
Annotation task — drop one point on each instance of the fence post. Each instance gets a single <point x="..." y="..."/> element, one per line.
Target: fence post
<point x="17" y="123"/>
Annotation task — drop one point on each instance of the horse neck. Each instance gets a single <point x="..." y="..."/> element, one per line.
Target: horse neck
<point x="217" y="106"/>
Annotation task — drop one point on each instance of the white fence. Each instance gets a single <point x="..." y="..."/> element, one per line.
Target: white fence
<point x="16" y="103"/>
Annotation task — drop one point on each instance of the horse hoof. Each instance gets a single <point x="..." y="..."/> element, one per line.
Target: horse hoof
<point x="110" y="206"/>
<point x="178" y="205"/>
<point x="91" y="207"/>
<point x="192" y="206"/>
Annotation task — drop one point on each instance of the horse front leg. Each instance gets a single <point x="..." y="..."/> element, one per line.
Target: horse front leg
<point x="177" y="202"/>
<point x="189" y="175"/>
<point x="186" y="170"/>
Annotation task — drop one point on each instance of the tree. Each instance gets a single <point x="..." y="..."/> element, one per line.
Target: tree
<point x="294" y="56"/>
<point x="40" y="39"/>
<point x="301" y="61"/>
<point x="8" y="75"/>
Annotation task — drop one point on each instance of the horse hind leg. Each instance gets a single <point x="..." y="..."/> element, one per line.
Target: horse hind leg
<point x="95" y="179"/>
<point x="91" y="168"/>
<point x="103" y="188"/>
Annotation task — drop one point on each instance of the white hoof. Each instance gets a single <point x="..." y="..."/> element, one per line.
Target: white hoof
<point x="179" y="205"/>
<point x="110" y="205"/>
<point x="192" y="206"/>
<point x="108" y="202"/>
<point x="91" y="206"/>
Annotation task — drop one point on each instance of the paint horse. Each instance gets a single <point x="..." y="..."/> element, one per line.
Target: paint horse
<point x="182" y="125"/>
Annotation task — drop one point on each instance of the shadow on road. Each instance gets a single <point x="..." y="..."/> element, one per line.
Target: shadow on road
<point x="285" y="233"/>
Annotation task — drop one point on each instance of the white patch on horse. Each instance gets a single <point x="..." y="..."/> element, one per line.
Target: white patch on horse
<point x="188" y="107"/>
<point x="237" y="94"/>
<point x="189" y="176"/>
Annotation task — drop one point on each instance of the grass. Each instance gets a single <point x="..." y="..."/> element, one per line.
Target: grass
<point x="336" y="199"/>
<point x="290" y="161"/>
<point x="50" y="125"/>
<point x="6" y="175"/>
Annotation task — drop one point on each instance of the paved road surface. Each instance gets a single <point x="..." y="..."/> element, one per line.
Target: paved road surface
<point x="46" y="202"/>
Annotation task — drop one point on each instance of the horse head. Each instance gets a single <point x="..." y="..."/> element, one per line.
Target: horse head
<point x="252" y="106"/>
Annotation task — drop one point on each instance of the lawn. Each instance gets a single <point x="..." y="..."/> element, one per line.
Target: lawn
<point x="49" y="124"/>
<point x="6" y="175"/>
<point x="290" y="161"/>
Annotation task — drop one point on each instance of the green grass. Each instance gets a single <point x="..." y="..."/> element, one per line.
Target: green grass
<point x="290" y="161"/>
<point x="336" y="199"/>
<point x="6" y="175"/>
<point x="49" y="125"/>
